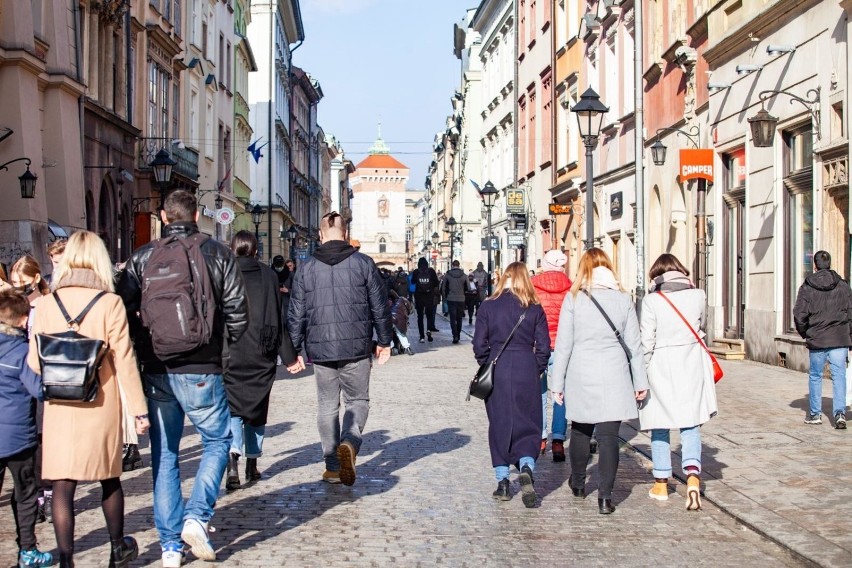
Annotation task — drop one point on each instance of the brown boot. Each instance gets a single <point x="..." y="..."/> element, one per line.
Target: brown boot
<point x="660" y="490"/>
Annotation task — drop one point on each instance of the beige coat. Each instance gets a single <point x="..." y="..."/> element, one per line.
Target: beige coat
<point x="83" y="441"/>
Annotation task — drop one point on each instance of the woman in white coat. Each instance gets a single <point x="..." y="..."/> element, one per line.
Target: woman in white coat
<point x="680" y="372"/>
<point x="593" y="374"/>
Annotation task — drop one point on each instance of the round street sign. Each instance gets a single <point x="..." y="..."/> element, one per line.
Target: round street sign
<point x="434" y="254"/>
<point x="224" y="216"/>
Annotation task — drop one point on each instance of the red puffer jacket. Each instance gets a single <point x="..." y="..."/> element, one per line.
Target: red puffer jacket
<point x="551" y="288"/>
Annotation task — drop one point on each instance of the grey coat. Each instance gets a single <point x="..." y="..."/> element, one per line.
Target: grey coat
<point x="590" y="366"/>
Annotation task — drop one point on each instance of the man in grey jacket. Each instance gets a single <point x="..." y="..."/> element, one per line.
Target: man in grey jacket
<point x="337" y="300"/>
<point x="453" y="290"/>
<point x="823" y="317"/>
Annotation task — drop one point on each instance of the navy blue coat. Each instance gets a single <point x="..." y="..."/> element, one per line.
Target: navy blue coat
<point x="514" y="407"/>
<point x="19" y="389"/>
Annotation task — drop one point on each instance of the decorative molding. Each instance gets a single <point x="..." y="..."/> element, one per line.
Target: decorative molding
<point x="669" y="54"/>
<point x="654" y="72"/>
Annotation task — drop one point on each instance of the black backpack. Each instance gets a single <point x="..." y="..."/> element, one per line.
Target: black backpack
<point x="423" y="282"/>
<point x="178" y="305"/>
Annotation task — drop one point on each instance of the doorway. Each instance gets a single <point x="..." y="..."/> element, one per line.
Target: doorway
<point x="734" y="266"/>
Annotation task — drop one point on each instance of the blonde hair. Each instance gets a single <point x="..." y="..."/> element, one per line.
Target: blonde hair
<point x="29" y="267"/>
<point x="86" y="250"/>
<point x="516" y="279"/>
<point x="590" y="260"/>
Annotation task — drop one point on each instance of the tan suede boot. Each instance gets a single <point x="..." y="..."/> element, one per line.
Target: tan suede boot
<point x="660" y="490"/>
<point x="693" y="494"/>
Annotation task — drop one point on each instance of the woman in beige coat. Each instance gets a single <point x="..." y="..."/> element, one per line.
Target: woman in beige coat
<point x="83" y="441"/>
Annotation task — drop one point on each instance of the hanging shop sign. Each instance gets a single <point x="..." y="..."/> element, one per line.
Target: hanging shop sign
<point x="224" y="216"/>
<point x="696" y="164"/>
<point x="515" y="201"/>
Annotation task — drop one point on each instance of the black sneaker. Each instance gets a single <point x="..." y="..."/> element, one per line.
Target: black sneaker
<point x="813" y="419"/>
<point x="528" y="495"/>
<point x="502" y="492"/>
<point x="429" y="337"/>
<point x="840" y="421"/>
<point x="410" y="351"/>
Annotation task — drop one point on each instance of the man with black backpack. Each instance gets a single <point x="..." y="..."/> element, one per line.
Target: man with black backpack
<point x="185" y="296"/>
<point x="425" y="284"/>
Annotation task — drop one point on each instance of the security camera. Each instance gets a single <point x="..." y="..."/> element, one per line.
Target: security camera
<point x="779" y="49"/>
<point x="743" y="69"/>
<point x="718" y="86"/>
<point x="686" y="56"/>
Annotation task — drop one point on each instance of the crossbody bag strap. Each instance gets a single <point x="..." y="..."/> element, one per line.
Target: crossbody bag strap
<point x="700" y="342"/>
<point x="505" y="343"/>
<point x="611" y="325"/>
<point x="79" y="319"/>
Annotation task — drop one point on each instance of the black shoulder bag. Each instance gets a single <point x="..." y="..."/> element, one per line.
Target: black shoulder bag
<point x="69" y="361"/>
<point x="483" y="382"/>
<point x="614" y="330"/>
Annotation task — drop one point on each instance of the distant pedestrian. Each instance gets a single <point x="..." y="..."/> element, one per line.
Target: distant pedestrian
<point x="823" y="317"/>
<point x="514" y="407"/>
<point x="471" y="297"/>
<point x="426" y="285"/>
<point x="597" y="380"/>
<point x="83" y="440"/>
<point x="481" y="277"/>
<point x="182" y="371"/>
<point x="20" y="386"/>
<point x="453" y="290"/>
<point x="682" y="392"/>
<point x="338" y="300"/>
<point x="286" y="286"/>
<point x="250" y="370"/>
<point x="551" y="286"/>
<point x="55" y="250"/>
<point x="401" y="282"/>
<point x="400" y="310"/>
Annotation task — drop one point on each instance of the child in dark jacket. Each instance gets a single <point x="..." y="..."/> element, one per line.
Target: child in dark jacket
<point x="20" y="387"/>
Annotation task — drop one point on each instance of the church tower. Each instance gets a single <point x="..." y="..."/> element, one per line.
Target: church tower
<point x="378" y="205"/>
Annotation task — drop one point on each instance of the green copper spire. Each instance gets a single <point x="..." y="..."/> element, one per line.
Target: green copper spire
<point x="379" y="146"/>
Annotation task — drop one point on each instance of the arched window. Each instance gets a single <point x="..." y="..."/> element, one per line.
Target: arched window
<point x="383" y="246"/>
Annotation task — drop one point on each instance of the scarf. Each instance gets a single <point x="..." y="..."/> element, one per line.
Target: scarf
<point x="80" y="278"/>
<point x="603" y="277"/>
<point x="671" y="281"/>
<point x="270" y="330"/>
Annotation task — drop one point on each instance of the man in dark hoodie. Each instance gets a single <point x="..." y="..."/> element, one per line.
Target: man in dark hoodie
<point x="453" y="289"/>
<point x="337" y="300"/>
<point x="823" y="317"/>
<point x="426" y="283"/>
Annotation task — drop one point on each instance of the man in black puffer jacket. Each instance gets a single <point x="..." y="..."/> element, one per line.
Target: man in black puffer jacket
<point x="823" y="317"/>
<point x="338" y="298"/>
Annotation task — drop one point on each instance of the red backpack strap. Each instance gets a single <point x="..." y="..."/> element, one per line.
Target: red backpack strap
<point x="700" y="342"/>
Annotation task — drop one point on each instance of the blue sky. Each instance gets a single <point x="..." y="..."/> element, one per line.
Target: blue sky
<point x="388" y="59"/>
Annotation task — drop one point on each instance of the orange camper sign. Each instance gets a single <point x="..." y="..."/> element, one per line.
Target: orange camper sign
<point x="696" y="164"/>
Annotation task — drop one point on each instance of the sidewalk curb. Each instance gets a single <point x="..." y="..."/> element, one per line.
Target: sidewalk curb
<point x="741" y="518"/>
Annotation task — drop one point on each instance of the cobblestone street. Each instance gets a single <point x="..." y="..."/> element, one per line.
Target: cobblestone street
<point x="422" y="496"/>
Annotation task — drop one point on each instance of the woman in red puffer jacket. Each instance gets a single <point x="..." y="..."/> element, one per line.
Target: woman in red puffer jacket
<point x="551" y="286"/>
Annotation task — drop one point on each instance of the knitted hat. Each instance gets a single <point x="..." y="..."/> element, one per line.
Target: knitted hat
<point x="554" y="261"/>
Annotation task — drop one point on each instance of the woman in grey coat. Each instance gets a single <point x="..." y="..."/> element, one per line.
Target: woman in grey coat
<point x="593" y="374"/>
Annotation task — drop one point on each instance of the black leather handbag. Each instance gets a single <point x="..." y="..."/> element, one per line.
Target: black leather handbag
<point x="69" y="361"/>
<point x="483" y="382"/>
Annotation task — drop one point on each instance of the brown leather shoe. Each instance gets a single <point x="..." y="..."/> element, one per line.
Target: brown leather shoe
<point x="558" y="448"/>
<point x="346" y="454"/>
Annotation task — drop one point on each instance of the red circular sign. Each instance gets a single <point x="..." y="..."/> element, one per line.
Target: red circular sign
<point x="434" y="254"/>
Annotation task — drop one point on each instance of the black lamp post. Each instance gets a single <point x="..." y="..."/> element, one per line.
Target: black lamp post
<point x="489" y="198"/>
<point x="256" y="218"/>
<point x="292" y="233"/>
<point x="658" y="153"/>
<point x="162" y="165"/>
<point x="763" y="124"/>
<point x="217" y="203"/>
<point x="451" y="229"/>
<point x="27" y="179"/>
<point x="590" y="114"/>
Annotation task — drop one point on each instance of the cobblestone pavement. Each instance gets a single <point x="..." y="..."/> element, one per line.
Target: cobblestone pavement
<point x="422" y="497"/>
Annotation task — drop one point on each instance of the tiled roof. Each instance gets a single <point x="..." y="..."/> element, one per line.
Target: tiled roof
<point x="381" y="161"/>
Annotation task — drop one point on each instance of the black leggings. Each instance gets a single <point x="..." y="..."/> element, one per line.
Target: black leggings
<point x="112" y="503"/>
<point x="579" y="451"/>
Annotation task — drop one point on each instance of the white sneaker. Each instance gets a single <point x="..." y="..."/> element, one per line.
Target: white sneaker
<point x="195" y="535"/>
<point x="173" y="556"/>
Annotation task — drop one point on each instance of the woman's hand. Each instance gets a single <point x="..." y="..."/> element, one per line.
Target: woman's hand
<point x="641" y="395"/>
<point x="558" y="397"/>
<point x="142" y="424"/>
<point x="299" y="365"/>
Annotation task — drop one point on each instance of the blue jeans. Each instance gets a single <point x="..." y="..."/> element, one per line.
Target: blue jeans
<point x="559" y="424"/>
<point x="248" y="435"/>
<point x="501" y="472"/>
<point x="202" y="398"/>
<point x="690" y="451"/>
<point x="837" y="363"/>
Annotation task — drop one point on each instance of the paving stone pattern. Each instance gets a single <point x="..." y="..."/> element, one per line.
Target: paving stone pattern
<point x="422" y="497"/>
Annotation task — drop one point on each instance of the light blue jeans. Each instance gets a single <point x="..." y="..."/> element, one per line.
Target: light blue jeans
<point x="501" y="472"/>
<point x="559" y="424"/>
<point x="837" y="363"/>
<point x="403" y="339"/>
<point x="202" y="399"/>
<point x="690" y="451"/>
<point x="246" y="435"/>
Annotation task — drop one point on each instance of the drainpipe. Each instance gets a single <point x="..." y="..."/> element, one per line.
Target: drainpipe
<point x="290" y="130"/>
<point x="81" y="100"/>
<point x="639" y="144"/>
<point x="515" y="157"/>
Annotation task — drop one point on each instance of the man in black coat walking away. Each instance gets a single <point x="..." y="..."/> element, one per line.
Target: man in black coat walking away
<point x="426" y="283"/>
<point x="338" y="299"/>
<point x="823" y="317"/>
<point x="453" y="289"/>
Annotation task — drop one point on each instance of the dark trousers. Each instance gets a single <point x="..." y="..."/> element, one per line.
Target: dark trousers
<point x="579" y="451"/>
<point x="24" y="496"/>
<point x="470" y="302"/>
<point x="427" y="310"/>
<point x="456" y="317"/>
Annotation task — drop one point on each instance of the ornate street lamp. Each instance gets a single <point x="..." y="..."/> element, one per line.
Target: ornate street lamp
<point x="27" y="179"/>
<point x="658" y="153"/>
<point x="256" y="218"/>
<point x="763" y="128"/>
<point x="217" y="203"/>
<point x="451" y="229"/>
<point x="763" y="124"/>
<point x="590" y="114"/>
<point x="489" y="198"/>
<point x="162" y="165"/>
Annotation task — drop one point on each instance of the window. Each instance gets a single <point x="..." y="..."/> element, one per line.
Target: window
<point x="735" y="170"/>
<point x="204" y="35"/>
<point x="176" y="13"/>
<point x="193" y="119"/>
<point x="383" y="246"/>
<point x="408" y="235"/>
<point x="227" y="66"/>
<point x="197" y="35"/>
<point x="799" y="214"/>
<point x="798" y="150"/>
<point x="208" y="141"/>
<point x="159" y="96"/>
<point x="408" y="219"/>
<point x="176" y="109"/>
<point x="221" y="61"/>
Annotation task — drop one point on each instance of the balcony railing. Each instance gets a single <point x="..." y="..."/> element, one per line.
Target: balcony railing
<point x="186" y="158"/>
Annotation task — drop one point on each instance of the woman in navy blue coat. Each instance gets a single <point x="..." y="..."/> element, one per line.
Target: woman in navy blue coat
<point x="514" y="407"/>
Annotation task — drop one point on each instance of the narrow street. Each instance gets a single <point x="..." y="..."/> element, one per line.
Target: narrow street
<point x="422" y="495"/>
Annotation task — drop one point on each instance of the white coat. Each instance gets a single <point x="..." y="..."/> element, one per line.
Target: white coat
<point x="682" y="393"/>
